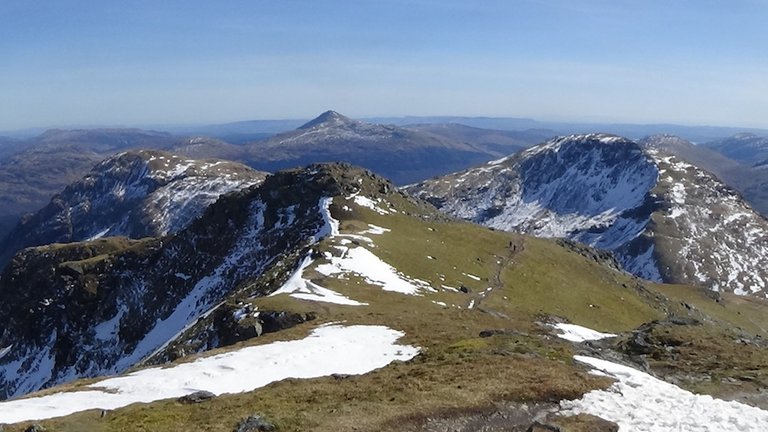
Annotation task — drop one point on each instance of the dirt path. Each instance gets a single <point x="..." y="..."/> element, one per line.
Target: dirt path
<point x="516" y="245"/>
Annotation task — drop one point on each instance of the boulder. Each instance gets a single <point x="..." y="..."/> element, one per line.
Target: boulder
<point x="196" y="397"/>
<point x="254" y="423"/>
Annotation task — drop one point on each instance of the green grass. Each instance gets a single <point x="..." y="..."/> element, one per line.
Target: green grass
<point x="457" y="369"/>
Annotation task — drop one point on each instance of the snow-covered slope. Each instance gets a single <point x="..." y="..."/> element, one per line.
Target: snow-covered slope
<point x="102" y="306"/>
<point x="665" y="219"/>
<point x="748" y="178"/>
<point x="355" y="265"/>
<point x="134" y="194"/>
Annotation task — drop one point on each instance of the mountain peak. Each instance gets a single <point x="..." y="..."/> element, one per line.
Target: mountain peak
<point x="578" y="142"/>
<point x="329" y="117"/>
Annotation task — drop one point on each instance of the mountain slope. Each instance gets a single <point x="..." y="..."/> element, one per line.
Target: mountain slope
<point x="400" y="154"/>
<point x="482" y="308"/>
<point x="133" y="194"/>
<point x="665" y="220"/>
<point x="101" y="306"/>
<point x="750" y="181"/>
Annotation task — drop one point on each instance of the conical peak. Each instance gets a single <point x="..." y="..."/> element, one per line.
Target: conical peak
<point x="329" y="117"/>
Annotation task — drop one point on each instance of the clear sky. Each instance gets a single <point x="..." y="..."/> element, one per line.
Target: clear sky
<point x="77" y="62"/>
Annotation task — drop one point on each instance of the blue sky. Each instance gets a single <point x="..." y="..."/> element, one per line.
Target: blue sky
<point x="75" y="62"/>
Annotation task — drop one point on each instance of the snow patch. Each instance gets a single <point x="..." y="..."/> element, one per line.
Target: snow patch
<point x="298" y="287"/>
<point x="640" y="402"/>
<point x="375" y="230"/>
<point x="4" y="351"/>
<point x="182" y="276"/>
<point x="368" y="203"/>
<point x="99" y="234"/>
<point x="330" y="225"/>
<point x="577" y="333"/>
<point x="363" y="262"/>
<point x="471" y="276"/>
<point x="327" y="350"/>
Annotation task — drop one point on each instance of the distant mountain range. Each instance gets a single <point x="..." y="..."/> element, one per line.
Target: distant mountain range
<point x="33" y="169"/>
<point x="240" y="132"/>
<point x="747" y="148"/>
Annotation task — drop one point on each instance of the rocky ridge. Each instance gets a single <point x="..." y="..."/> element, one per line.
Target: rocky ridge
<point x="101" y="306"/>
<point x="135" y="194"/>
<point x="664" y="219"/>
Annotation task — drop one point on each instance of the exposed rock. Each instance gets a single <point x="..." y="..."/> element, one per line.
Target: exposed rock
<point x="276" y="321"/>
<point x="507" y="417"/>
<point x="254" y="423"/>
<point x="578" y="423"/>
<point x="543" y="427"/>
<point x="35" y="428"/>
<point x="491" y="332"/>
<point x="196" y="397"/>
<point x="603" y="257"/>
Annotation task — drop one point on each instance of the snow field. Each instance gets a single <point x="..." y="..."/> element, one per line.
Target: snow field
<point x="327" y="350"/>
<point x="639" y="402"/>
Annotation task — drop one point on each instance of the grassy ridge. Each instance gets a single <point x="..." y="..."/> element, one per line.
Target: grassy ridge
<point x="529" y="280"/>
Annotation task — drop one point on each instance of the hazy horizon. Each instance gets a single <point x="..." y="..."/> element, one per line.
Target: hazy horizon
<point x="142" y="63"/>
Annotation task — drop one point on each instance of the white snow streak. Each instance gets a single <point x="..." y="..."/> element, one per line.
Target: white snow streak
<point x="577" y="333"/>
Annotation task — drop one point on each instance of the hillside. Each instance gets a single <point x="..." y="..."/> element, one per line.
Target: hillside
<point x="665" y="220"/>
<point x="372" y="312"/>
<point x="133" y="194"/>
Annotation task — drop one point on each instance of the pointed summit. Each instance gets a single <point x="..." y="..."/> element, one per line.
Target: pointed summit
<point x="329" y="117"/>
